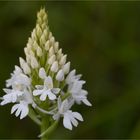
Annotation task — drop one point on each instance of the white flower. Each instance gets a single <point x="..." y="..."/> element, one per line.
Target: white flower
<point x="69" y="118"/>
<point x="78" y="94"/>
<point x="46" y="90"/>
<point x="11" y="96"/>
<point x="19" y="83"/>
<point x="21" y="109"/>
<point x="72" y="77"/>
<point x="22" y="100"/>
<point x="18" y="79"/>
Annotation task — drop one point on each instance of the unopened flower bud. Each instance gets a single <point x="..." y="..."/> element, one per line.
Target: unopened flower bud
<point x="26" y="51"/>
<point x="44" y="17"/>
<point x="63" y="60"/>
<point x="50" y="35"/>
<point x="31" y="53"/>
<point x="51" y="59"/>
<point x="41" y="13"/>
<point x="21" y="61"/>
<point x="54" y="67"/>
<point x="60" y="75"/>
<point x="42" y="73"/>
<point x="42" y="39"/>
<point x="39" y="31"/>
<point x="28" y="59"/>
<point x="66" y="68"/>
<point x="51" y="51"/>
<point x="39" y="52"/>
<point x="29" y="47"/>
<point x="38" y="15"/>
<point x="30" y="40"/>
<point x="26" y="69"/>
<point x="45" y="32"/>
<point x="39" y="20"/>
<point x="34" y="63"/>
<point x="47" y="45"/>
<point x="52" y="40"/>
<point x="59" y="54"/>
<point x="24" y="66"/>
<point x="35" y="45"/>
<point x="56" y="47"/>
<point x="33" y="35"/>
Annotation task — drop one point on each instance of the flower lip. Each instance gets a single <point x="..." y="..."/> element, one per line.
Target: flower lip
<point x="47" y="90"/>
<point x="69" y="118"/>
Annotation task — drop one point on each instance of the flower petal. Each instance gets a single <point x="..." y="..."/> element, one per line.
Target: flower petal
<point x="43" y="96"/>
<point x="72" y="118"/>
<point x="78" y="116"/>
<point x="37" y="92"/>
<point x="74" y="121"/>
<point x="18" y="111"/>
<point x="7" y="98"/>
<point x="51" y="96"/>
<point x="67" y="122"/>
<point x="6" y="90"/>
<point x="39" y="87"/>
<point x="56" y="90"/>
<point x="14" y="108"/>
<point x="84" y="92"/>
<point x="3" y="103"/>
<point x="86" y="102"/>
<point x="14" y="98"/>
<point x="24" y="111"/>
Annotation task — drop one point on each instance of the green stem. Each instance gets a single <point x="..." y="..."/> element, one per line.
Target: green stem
<point x="44" y="126"/>
<point x="65" y="96"/>
<point x="49" y="131"/>
<point x="33" y="115"/>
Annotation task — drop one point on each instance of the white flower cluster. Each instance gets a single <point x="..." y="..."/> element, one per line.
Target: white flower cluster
<point x="44" y="80"/>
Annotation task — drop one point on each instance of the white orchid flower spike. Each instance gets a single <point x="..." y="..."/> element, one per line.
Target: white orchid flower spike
<point x="43" y="87"/>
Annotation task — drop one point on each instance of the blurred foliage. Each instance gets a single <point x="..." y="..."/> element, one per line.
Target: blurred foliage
<point x="102" y="40"/>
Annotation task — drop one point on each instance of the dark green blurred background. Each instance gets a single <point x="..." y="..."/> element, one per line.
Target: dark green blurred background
<point x="102" y="40"/>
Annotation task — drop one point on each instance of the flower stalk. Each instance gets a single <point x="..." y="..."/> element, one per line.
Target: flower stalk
<point x="33" y="116"/>
<point x="44" y="127"/>
<point x="46" y="133"/>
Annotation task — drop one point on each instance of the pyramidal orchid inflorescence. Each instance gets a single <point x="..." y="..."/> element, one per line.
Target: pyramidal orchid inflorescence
<point x="43" y="86"/>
